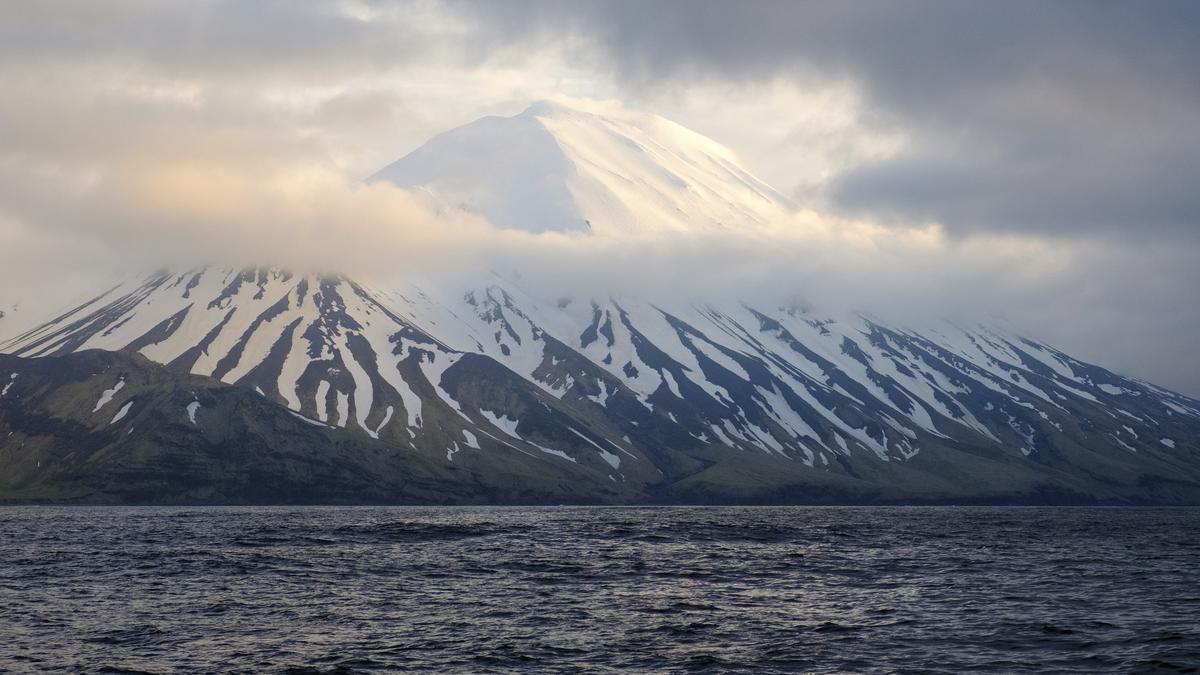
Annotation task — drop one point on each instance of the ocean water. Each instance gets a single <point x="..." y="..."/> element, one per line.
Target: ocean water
<point x="600" y="589"/>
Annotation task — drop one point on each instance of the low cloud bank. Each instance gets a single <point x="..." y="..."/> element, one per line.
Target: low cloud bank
<point x="1101" y="301"/>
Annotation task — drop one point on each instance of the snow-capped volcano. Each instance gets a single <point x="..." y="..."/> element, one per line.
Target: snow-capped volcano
<point x="608" y="170"/>
<point x="640" y="397"/>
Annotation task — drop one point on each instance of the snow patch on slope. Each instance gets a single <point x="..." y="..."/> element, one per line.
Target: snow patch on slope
<point x="122" y="412"/>
<point x="107" y="395"/>
<point x="503" y="422"/>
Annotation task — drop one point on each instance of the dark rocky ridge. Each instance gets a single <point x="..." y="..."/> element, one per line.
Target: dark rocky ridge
<point x="244" y="448"/>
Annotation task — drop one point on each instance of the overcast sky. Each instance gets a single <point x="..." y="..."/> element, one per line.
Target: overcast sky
<point x="1060" y="136"/>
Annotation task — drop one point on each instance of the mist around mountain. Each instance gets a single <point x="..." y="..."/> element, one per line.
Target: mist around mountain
<point x="491" y="383"/>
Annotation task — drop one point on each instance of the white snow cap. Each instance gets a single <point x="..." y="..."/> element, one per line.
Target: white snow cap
<point x="588" y="166"/>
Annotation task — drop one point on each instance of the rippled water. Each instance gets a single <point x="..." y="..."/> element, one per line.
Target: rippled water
<point x="566" y="589"/>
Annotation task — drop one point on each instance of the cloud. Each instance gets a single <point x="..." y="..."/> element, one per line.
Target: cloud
<point x="1028" y="161"/>
<point x="144" y="212"/>
<point x="222" y="37"/>
<point x="1025" y="116"/>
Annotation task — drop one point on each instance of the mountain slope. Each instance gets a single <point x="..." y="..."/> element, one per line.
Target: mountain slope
<point x="631" y="401"/>
<point x="101" y="427"/>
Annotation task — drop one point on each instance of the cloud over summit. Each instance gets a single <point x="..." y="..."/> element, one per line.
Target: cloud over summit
<point x="1031" y="159"/>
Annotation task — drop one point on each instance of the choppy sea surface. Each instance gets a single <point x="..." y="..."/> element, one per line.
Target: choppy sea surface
<point x="312" y="589"/>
